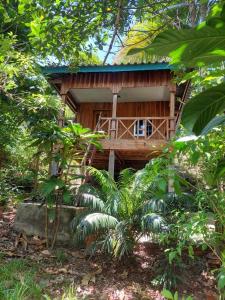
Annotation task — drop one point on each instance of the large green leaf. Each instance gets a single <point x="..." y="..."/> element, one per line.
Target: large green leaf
<point x="215" y="122"/>
<point x="167" y="294"/>
<point x="201" y="109"/>
<point x="48" y="186"/>
<point x="220" y="169"/>
<point x="193" y="47"/>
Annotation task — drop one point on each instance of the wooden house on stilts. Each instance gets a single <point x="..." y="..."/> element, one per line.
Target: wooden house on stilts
<point x="137" y="106"/>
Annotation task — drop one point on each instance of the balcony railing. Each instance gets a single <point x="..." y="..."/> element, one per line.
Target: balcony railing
<point x="141" y="128"/>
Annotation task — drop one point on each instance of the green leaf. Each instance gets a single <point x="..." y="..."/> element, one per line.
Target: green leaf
<point x="198" y="46"/>
<point x="162" y="184"/>
<point x="172" y="255"/>
<point x="195" y="157"/>
<point x="215" y="122"/>
<point x="177" y="187"/>
<point x="221" y="281"/>
<point x="201" y="109"/>
<point x="167" y="294"/>
<point x="190" y="251"/>
<point x="220" y="169"/>
<point x="67" y="197"/>
<point x="50" y="185"/>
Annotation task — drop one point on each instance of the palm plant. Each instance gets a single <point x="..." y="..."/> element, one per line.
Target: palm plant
<point x="140" y="35"/>
<point x="119" y="213"/>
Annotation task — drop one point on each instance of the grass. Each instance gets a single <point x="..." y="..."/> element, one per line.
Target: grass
<point x="17" y="281"/>
<point x="69" y="294"/>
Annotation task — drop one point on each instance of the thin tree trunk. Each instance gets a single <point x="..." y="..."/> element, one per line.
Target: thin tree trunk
<point x="193" y="13"/>
<point x="57" y="218"/>
<point x="46" y="224"/>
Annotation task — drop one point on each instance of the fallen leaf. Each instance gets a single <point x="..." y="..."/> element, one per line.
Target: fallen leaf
<point x="38" y="241"/>
<point x="90" y="277"/>
<point x="51" y="271"/>
<point x="63" y="270"/>
<point x="12" y="254"/>
<point x="124" y="275"/>
<point x="21" y="239"/>
<point x="98" y="271"/>
<point x="77" y="254"/>
<point x="46" y="252"/>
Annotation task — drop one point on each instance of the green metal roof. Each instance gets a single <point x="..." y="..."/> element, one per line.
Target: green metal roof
<point x="106" y="68"/>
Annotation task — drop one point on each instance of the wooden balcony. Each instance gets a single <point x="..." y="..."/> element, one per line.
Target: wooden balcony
<point x="135" y="133"/>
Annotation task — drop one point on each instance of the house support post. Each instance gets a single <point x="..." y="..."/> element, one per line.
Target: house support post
<point x="171" y="134"/>
<point x="111" y="166"/>
<point x="113" y="124"/>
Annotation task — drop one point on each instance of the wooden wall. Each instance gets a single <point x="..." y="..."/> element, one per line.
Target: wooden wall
<point x="126" y="109"/>
<point x="118" y="80"/>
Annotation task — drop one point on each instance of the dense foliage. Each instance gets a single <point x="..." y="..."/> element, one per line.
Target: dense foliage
<point x="118" y="212"/>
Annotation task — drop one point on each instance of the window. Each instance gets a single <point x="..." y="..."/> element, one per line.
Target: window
<point x="139" y="128"/>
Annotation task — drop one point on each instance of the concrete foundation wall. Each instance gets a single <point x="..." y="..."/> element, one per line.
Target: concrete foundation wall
<point x="30" y="219"/>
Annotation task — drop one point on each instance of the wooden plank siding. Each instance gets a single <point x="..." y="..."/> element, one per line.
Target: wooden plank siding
<point x="116" y="81"/>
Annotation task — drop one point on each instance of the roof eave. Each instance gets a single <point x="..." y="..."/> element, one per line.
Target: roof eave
<point x="107" y="68"/>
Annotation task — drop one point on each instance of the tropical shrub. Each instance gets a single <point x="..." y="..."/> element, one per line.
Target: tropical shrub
<point x="59" y="148"/>
<point x="120" y="212"/>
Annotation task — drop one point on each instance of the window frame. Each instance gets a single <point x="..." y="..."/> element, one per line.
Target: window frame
<point x="145" y="130"/>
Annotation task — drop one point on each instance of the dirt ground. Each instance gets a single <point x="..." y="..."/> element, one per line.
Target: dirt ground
<point x="100" y="277"/>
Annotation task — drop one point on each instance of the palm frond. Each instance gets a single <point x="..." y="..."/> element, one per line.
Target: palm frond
<point x="140" y="36"/>
<point x="125" y="178"/>
<point x="105" y="244"/>
<point x="94" y="223"/>
<point x="153" y="223"/>
<point x="124" y="242"/>
<point x="107" y="185"/>
<point x="155" y="205"/>
<point x="92" y="202"/>
<point x="88" y="196"/>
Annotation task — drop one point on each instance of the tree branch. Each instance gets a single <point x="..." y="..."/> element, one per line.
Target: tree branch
<point x="115" y="30"/>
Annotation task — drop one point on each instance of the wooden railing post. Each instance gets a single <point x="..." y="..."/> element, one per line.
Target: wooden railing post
<point x="113" y="127"/>
<point x="113" y="122"/>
